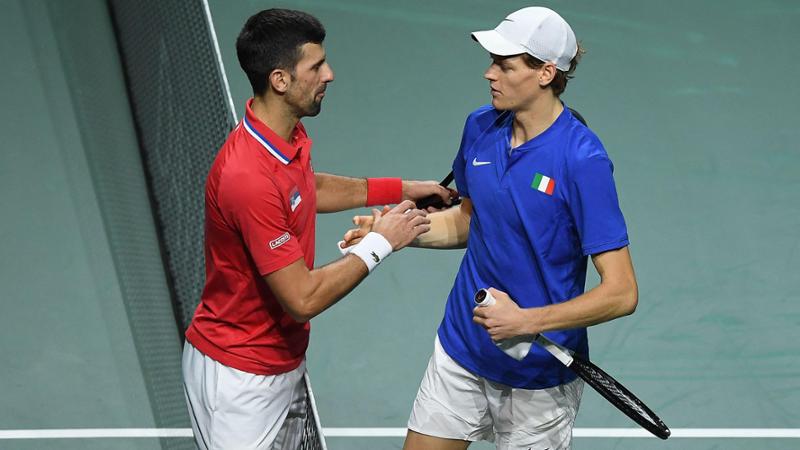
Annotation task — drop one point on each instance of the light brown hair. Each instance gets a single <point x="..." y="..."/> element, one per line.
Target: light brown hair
<point x="559" y="83"/>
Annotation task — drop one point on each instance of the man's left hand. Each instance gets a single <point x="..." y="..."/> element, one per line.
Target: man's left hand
<point x="364" y="226"/>
<point x="503" y="320"/>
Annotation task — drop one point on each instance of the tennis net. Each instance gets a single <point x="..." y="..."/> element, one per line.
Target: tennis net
<point x="313" y="439"/>
<point x="173" y="66"/>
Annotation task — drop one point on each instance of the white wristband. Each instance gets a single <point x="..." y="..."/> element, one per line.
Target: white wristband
<point x="373" y="249"/>
<point x="343" y="250"/>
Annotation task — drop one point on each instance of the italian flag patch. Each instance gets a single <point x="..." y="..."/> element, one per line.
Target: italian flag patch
<point x="543" y="183"/>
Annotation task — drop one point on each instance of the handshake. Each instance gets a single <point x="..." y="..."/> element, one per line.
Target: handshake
<point x="377" y="236"/>
<point x="399" y="226"/>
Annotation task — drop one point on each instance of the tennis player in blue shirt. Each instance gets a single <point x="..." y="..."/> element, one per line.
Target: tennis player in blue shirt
<point x="538" y="200"/>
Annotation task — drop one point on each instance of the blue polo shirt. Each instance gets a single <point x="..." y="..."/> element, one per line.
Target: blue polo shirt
<point x="538" y="212"/>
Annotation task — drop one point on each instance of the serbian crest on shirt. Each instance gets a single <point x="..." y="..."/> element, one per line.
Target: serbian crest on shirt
<point x="294" y="198"/>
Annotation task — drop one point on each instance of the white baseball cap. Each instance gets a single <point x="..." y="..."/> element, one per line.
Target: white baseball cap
<point x="537" y="31"/>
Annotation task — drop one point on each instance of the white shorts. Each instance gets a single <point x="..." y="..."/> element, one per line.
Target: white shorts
<point x="454" y="403"/>
<point x="231" y="409"/>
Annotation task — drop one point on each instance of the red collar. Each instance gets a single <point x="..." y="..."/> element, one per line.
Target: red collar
<point x="274" y="144"/>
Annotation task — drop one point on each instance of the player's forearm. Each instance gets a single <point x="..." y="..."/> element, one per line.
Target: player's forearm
<point x="338" y="193"/>
<point x="325" y="286"/>
<point x="617" y="295"/>
<point x="449" y="229"/>
<point x="606" y="302"/>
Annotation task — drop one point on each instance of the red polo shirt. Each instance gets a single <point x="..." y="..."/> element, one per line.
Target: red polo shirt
<point x="260" y="214"/>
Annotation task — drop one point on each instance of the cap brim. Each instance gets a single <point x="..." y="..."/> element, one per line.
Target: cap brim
<point x="496" y="44"/>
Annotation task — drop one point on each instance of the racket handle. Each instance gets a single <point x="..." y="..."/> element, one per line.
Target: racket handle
<point x="435" y="200"/>
<point x="562" y="354"/>
<point x="516" y="347"/>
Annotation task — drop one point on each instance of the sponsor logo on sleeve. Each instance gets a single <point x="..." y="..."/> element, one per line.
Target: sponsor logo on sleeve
<point x="280" y="240"/>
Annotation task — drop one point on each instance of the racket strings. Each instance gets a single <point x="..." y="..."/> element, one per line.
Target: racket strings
<point x="618" y="395"/>
<point x="612" y="388"/>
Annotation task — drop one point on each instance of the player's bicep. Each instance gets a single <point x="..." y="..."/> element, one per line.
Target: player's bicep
<point x="614" y="264"/>
<point x="463" y="220"/>
<point x="289" y="285"/>
<point x="616" y="273"/>
<point x="258" y="212"/>
<point x="466" y="207"/>
<point x="461" y="223"/>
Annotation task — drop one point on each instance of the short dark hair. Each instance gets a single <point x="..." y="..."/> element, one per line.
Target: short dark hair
<point x="272" y="40"/>
<point x="559" y="83"/>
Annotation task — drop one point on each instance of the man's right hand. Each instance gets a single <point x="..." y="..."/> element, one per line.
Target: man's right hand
<point x="401" y="224"/>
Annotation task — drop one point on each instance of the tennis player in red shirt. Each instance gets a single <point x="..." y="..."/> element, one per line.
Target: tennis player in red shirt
<point x="244" y="358"/>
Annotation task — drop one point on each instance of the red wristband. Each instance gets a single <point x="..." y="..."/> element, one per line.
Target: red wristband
<point x="384" y="191"/>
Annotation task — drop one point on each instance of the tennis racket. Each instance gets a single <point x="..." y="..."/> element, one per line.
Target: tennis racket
<point x="436" y="201"/>
<point x="605" y="385"/>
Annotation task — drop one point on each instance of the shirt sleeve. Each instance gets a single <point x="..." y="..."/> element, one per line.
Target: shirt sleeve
<point x="460" y="162"/>
<point x="256" y="209"/>
<point x="593" y="203"/>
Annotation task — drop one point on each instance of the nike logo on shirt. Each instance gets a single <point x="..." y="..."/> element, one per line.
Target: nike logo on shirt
<point x="477" y="163"/>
